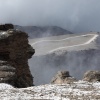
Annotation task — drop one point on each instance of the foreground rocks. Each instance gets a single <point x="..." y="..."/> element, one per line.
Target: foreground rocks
<point x="70" y="90"/>
<point x="92" y="76"/>
<point x="62" y="77"/>
<point x="80" y="90"/>
<point x="14" y="54"/>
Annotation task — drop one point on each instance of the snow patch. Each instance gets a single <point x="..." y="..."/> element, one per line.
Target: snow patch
<point x="4" y="86"/>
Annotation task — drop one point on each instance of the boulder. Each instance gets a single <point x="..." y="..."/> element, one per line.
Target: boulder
<point x="6" y="27"/>
<point x="92" y="76"/>
<point x="14" y="54"/>
<point x="62" y="77"/>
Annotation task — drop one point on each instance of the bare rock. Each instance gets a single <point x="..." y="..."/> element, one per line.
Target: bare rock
<point x="14" y="54"/>
<point x="7" y="72"/>
<point x="92" y="76"/>
<point x="62" y="77"/>
<point x="6" y="27"/>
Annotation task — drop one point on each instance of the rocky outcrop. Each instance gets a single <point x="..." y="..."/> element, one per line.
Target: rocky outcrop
<point x="14" y="54"/>
<point x="6" y="27"/>
<point x="62" y="77"/>
<point x="92" y="76"/>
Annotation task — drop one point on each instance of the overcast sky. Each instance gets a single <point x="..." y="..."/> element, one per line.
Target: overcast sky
<point x="74" y="15"/>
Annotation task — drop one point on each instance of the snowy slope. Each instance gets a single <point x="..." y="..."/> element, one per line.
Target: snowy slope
<point x="71" y="42"/>
<point x="80" y="90"/>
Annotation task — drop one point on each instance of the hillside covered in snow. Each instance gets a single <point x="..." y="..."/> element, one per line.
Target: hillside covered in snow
<point x="80" y="90"/>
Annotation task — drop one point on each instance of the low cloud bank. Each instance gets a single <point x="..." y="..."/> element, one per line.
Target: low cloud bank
<point x="76" y="16"/>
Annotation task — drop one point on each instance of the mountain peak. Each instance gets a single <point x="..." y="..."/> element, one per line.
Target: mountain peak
<point x="42" y="31"/>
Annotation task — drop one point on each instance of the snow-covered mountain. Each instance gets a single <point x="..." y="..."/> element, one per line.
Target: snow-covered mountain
<point x="39" y="31"/>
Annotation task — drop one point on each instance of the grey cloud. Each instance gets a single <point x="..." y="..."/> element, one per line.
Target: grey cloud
<point x="74" y="15"/>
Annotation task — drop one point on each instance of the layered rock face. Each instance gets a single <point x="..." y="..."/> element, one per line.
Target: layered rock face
<point x="14" y="54"/>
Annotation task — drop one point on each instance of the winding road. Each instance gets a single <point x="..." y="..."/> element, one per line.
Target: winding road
<point x="68" y="43"/>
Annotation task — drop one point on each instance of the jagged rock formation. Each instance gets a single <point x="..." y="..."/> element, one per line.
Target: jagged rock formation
<point x="14" y="54"/>
<point x="6" y="27"/>
<point x="62" y="77"/>
<point x="92" y="76"/>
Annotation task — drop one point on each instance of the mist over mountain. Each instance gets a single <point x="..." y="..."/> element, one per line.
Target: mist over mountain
<point x="50" y="25"/>
<point x="43" y="68"/>
<point x="74" y="15"/>
<point x="38" y="31"/>
<point x="69" y="52"/>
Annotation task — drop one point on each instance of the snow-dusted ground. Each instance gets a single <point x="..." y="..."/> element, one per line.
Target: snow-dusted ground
<point x="4" y="86"/>
<point x="80" y="90"/>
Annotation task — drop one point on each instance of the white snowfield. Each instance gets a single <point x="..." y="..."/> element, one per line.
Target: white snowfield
<point x="80" y="90"/>
<point x="69" y="43"/>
